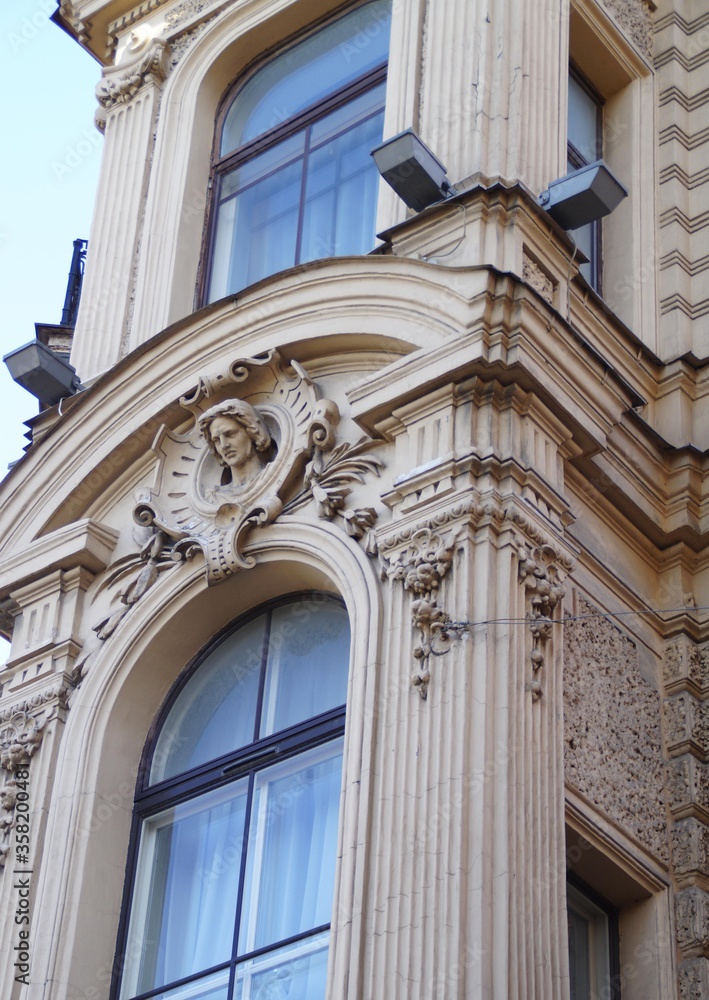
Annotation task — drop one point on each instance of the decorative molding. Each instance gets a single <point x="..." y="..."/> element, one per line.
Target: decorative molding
<point x="326" y="482"/>
<point x="533" y="274"/>
<point x="421" y="565"/>
<point x="121" y="83"/>
<point x="542" y="578"/>
<point x="21" y="732"/>
<point x="181" y="12"/>
<point x="238" y="467"/>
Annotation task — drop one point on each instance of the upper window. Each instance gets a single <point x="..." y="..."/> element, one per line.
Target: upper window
<point x="584" y="146"/>
<point x="236" y="820"/>
<point x="294" y="179"/>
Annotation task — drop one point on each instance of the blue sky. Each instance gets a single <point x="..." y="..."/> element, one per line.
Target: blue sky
<point x="48" y="177"/>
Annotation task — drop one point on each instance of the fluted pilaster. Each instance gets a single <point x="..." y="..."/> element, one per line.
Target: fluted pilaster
<point x="128" y="95"/>
<point x="490" y="93"/>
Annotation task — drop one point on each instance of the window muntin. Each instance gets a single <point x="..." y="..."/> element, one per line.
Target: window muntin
<point x="584" y="146"/>
<point x="295" y="181"/>
<point x="234" y="874"/>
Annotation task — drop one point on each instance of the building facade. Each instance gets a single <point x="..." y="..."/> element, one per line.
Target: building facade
<point x="358" y="602"/>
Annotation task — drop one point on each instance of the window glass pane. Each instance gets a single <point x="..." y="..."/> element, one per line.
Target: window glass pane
<point x="210" y="988"/>
<point x="578" y="957"/>
<point x="186" y="888"/>
<point x="215" y="711"/>
<point x="589" y="947"/>
<point x="292" y="848"/>
<point x="308" y="658"/>
<point x="296" y="972"/>
<point x="341" y="194"/>
<point x="309" y="71"/>
<point x="583" y="122"/>
<point x="257" y="231"/>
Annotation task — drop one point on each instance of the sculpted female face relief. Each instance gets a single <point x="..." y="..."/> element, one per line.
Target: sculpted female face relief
<point x="237" y="436"/>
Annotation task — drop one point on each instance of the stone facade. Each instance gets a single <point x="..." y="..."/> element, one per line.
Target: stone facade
<point x="501" y="473"/>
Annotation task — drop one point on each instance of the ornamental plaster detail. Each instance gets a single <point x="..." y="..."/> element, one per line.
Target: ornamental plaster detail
<point x="420" y="558"/>
<point x="181" y="12"/>
<point x="534" y="276"/>
<point x="326" y="482"/>
<point x="542" y="578"/>
<point x="262" y="444"/>
<point x="146" y="62"/>
<point x="612" y="739"/>
<point x="21" y="731"/>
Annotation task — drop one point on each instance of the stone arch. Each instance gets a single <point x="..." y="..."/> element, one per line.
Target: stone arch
<point x="125" y="688"/>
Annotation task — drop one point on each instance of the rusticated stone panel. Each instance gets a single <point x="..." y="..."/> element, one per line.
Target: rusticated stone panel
<point x="694" y="979"/>
<point x="690" y="849"/>
<point x="692" y="914"/>
<point x="688" y="785"/>
<point x="635" y="18"/>
<point x="612" y="734"/>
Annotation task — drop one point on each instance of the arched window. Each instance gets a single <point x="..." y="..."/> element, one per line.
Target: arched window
<point x="293" y="178"/>
<point x="235" y="830"/>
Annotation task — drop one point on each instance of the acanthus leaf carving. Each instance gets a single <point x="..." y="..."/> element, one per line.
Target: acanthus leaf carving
<point x="146" y="62"/>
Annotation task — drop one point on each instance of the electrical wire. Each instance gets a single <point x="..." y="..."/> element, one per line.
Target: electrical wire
<point x="567" y="618"/>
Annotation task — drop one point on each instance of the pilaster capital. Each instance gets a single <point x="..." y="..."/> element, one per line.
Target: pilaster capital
<point x="145" y="61"/>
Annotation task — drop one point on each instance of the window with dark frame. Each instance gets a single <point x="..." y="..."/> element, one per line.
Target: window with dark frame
<point x="584" y="146"/>
<point x="232" y="861"/>
<point x="592" y="942"/>
<point x="293" y="179"/>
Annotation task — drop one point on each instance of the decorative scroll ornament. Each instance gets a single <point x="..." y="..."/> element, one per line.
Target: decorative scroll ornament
<point x="234" y="468"/>
<point x="145" y="61"/>
<point x="21" y="732"/>
<point x="542" y="576"/>
<point x="421" y="565"/>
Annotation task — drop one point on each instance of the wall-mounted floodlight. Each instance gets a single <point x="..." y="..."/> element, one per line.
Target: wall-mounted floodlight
<point x="42" y="372"/>
<point x="583" y="196"/>
<point x="409" y="166"/>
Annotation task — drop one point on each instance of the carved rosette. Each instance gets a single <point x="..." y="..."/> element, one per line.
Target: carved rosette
<point x="420" y="564"/>
<point x="21" y="731"/>
<point x="541" y="573"/>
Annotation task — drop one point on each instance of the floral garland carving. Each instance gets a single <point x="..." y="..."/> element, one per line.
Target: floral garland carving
<point x="541" y="576"/>
<point x="421" y="566"/>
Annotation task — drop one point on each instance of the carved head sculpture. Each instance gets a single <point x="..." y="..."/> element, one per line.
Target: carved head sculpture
<point x="238" y="438"/>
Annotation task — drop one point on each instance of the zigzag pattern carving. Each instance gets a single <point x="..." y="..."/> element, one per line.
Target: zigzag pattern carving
<point x="682" y="67"/>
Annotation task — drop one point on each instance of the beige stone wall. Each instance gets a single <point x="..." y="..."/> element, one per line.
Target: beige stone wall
<point x="521" y="452"/>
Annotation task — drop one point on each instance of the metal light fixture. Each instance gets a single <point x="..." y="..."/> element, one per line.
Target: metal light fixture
<point x="583" y="196"/>
<point x="412" y="170"/>
<point x="42" y="372"/>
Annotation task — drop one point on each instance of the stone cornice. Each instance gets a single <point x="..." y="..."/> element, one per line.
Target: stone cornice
<point x="86" y="543"/>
